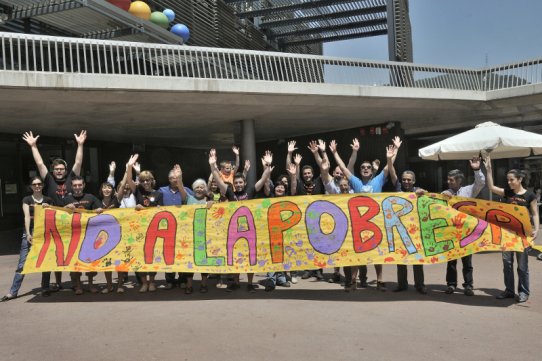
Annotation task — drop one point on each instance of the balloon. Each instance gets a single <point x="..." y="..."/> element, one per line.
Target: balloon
<point x="182" y="31"/>
<point x="170" y="14"/>
<point x="123" y="4"/>
<point x="159" y="19"/>
<point x="140" y="10"/>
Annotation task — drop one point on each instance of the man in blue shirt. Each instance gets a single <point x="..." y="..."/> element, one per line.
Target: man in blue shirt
<point x="368" y="183"/>
<point x="172" y="197"/>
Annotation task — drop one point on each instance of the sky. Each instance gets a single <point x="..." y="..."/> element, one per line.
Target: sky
<point x="464" y="33"/>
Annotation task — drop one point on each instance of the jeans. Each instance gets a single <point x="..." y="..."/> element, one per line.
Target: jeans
<point x="18" y="278"/>
<point x="523" y="271"/>
<point x="274" y="278"/>
<point x="451" y="272"/>
<point x="402" y="279"/>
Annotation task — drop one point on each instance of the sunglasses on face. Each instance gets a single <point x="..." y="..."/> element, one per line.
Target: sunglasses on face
<point x="59" y="169"/>
<point x="36" y="184"/>
<point x="365" y="167"/>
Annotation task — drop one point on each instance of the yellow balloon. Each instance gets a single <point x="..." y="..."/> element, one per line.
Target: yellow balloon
<point x="140" y="9"/>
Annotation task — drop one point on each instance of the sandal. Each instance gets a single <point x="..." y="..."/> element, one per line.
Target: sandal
<point x="107" y="290"/>
<point x="120" y="289"/>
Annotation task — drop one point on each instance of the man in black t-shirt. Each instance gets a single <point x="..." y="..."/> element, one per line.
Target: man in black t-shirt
<point x="57" y="183"/>
<point x="80" y="200"/>
<point x="240" y="192"/>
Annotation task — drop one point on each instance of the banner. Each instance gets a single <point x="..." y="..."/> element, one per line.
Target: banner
<point x="274" y="234"/>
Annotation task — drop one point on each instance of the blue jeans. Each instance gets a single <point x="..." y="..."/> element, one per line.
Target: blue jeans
<point x="274" y="278"/>
<point x="523" y="271"/>
<point x="18" y="278"/>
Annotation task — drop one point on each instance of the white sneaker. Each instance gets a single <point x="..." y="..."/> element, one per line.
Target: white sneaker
<point x="294" y="280"/>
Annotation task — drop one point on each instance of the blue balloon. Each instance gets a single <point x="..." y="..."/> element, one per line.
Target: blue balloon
<point x="182" y="31"/>
<point x="170" y="14"/>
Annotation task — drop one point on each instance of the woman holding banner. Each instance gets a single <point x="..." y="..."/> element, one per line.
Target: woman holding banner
<point x="37" y="198"/>
<point x="515" y="193"/>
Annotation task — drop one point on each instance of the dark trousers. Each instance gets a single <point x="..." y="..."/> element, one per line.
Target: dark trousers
<point x="451" y="272"/>
<point x="402" y="279"/>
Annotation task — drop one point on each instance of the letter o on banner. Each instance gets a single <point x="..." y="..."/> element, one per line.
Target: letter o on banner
<point x="102" y="236"/>
<point x="331" y="242"/>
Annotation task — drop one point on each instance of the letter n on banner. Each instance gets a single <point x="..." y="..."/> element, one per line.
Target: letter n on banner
<point x="52" y="231"/>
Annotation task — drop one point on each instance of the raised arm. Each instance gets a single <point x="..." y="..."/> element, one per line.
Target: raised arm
<point x="111" y="176"/>
<point x="313" y="147"/>
<point x="80" y="139"/>
<point x="389" y="169"/>
<point x="129" y="167"/>
<point x="235" y="151"/>
<point x="354" y="155"/>
<point x="340" y="163"/>
<point x="246" y="168"/>
<point x="178" y="174"/>
<point x="324" y="171"/>
<point x="292" y="172"/>
<point x="32" y="141"/>
<point x="291" y="149"/>
<point x="490" y="183"/>
<point x="297" y="162"/>
<point x="397" y="144"/>
<point x="267" y="161"/>
<point x="215" y="172"/>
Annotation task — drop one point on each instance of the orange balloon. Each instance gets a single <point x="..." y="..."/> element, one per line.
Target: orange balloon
<point x="140" y="9"/>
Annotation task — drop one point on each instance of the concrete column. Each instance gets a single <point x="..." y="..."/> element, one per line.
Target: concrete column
<point x="248" y="149"/>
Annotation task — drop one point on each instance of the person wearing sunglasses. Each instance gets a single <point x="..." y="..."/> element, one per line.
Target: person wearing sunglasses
<point x="29" y="202"/>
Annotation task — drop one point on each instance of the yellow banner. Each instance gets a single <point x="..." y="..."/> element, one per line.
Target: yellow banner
<point x="272" y="234"/>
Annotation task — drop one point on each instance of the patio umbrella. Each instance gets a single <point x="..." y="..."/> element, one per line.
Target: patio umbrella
<point x="501" y="142"/>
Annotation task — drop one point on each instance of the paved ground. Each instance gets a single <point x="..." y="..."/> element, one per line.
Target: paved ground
<point x="310" y="321"/>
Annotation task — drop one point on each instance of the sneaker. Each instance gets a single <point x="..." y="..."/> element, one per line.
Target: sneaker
<point x="232" y="287"/>
<point x="522" y="298"/>
<point x="294" y="280"/>
<point x="421" y="290"/>
<point x="381" y="286"/>
<point x="251" y="288"/>
<point x="306" y="275"/>
<point x="203" y="289"/>
<point x="336" y="278"/>
<point x="400" y="289"/>
<point x="468" y="291"/>
<point x="539" y="257"/>
<point x="47" y="293"/>
<point x="285" y="284"/>
<point x="8" y="297"/>
<point x="505" y="295"/>
<point x="450" y="290"/>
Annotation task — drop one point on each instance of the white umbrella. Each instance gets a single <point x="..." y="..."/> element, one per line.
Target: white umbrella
<point x="501" y="142"/>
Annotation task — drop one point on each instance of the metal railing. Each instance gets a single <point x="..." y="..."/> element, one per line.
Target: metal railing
<point x="36" y="53"/>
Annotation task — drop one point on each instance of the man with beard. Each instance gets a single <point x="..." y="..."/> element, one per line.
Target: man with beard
<point x="241" y="191"/>
<point x="57" y="185"/>
<point x="80" y="200"/>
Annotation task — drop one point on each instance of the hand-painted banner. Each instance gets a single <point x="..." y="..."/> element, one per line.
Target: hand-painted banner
<point x="288" y="233"/>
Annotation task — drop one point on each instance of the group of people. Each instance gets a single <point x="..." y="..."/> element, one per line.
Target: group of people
<point x="66" y="188"/>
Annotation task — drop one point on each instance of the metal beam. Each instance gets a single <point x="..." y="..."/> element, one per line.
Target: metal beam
<point x="43" y="8"/>
<point x="292" y="8"/>
<point x="323" y="29"/>
<point x="334" y="38"/>
<point x="112" y="33"/>
<point x="343" y="14"/>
